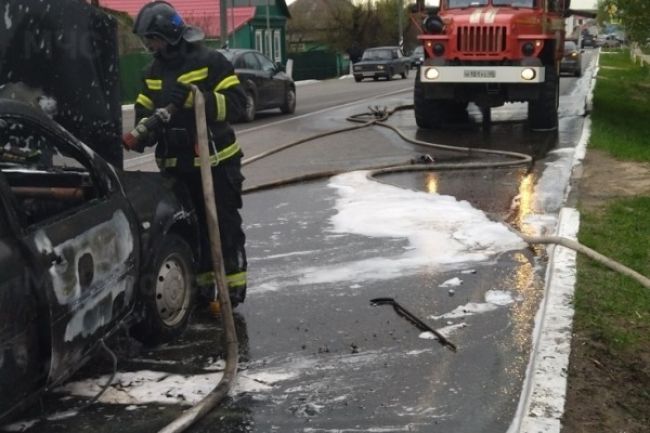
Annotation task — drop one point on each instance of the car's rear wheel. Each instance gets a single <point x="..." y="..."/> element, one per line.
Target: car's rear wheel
<point x="289" y="105"/>
<point x="167" y="293"/>
<point x="405" y="73"/>
<point x="358" y="78"/>
<point x="250" y="107"/>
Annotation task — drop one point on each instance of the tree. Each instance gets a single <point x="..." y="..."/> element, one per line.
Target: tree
<point x="633" y="14"/>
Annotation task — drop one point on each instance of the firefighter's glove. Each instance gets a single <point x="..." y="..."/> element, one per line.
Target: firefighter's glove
<point x="180" y="95"/>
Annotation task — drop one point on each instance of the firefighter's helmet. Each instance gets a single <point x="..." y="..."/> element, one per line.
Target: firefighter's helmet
<point x="160" y="19"/>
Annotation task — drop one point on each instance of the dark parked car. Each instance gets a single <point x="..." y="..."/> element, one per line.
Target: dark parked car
<point x="417" y="56"/>
<point x="84" y="250"/>
<point x="572" y="59"/>
<point x="266" y="84"/>
<point x="588" y="40"/>
<point x="381" y="62"/>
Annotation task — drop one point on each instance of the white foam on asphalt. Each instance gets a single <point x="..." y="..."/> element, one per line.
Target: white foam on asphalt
<point x="442" y="232"/>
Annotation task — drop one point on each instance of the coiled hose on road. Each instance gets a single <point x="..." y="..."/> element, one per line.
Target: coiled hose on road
<point x="376" y="116"/>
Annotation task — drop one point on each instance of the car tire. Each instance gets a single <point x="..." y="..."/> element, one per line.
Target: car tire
<point x="389" y="77"/>
<point x="405" y="73"/>
<point x="376" y="78"/>
<point x="167" y="293"/>
<point x="289" y="105"/>
<point x="542" y="113"/>
<point x="428" y="112"/>
<point x="250" y="108"/>
<point x="358" y="78"/>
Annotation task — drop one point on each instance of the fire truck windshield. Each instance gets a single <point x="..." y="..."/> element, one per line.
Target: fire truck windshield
<point x="462" y="4"/>
<point x="514" y="3"/>
<point x="456" y="4"/>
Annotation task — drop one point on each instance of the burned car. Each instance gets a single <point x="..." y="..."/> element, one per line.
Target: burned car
<point x="381" y="62"/>
<point x="85" y="249"/>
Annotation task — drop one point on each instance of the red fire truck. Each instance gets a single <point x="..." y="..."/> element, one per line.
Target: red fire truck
<point x="489" y="52"/>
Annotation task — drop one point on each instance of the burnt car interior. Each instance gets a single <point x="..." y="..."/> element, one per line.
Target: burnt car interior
<point x="46" y="179"/>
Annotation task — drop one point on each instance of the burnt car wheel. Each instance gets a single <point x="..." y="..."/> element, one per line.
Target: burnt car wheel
<point x="167" y="293"/>
<point x="250" y="108"/>
<point x="289" y="105"/>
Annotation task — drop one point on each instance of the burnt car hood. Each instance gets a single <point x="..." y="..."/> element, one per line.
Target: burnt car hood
<point x="68" y="52"/>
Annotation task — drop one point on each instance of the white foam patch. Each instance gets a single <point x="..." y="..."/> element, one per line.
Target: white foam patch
<point x="468" y="309"/>
<point x="442" y="231"/>
<point x="453" y="282"/>
<point x="499" y="297"/>
<point x="146" y="386"/>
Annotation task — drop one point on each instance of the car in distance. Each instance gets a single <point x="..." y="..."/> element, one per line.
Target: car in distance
<point x="84" y="250"/>
<point x="381" y="62"/>
<point x="266" y="84"/>
<point x="417" y="56"/>
<point x="588" y="40"/>
<point x="572" y="59"/>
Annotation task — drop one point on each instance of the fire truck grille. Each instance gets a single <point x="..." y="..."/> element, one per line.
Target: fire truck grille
<point x="481" y="40"/>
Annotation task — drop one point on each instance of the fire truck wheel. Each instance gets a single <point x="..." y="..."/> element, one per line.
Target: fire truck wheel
<point x="542" y="114"/>
<point x="428" y="112"/>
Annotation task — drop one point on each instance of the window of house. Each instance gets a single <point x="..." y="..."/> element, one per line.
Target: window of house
<point x="259" y="40"/>
<point x="277" y="50"/>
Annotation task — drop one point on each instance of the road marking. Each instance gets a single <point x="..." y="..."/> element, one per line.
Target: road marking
<point x="144" y="159"/>
<point x="324" y="110"/>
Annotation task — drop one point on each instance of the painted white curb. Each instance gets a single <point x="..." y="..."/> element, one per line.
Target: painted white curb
<point x="544" y="399"/>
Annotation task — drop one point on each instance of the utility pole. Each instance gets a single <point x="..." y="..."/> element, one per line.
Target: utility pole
<point x="267" y="35"/>
<point x="400" y="30"/>
<point x="223" y="22"/>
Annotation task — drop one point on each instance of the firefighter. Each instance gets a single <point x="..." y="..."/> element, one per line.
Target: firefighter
<point x="181" y="59"/>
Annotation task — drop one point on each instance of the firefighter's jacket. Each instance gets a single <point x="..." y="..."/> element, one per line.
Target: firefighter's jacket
<point x="225" y="100"/>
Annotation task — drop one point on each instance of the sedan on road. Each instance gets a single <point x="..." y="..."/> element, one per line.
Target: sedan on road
<point x="417" y="56"/>
<point x="572" y="59"/>
<point x="382" y="62"/>
<point x="266" y="84"/>
<point x="84" y="250"/>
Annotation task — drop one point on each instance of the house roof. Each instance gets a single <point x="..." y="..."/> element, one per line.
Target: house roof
<point x="201" y="13"/>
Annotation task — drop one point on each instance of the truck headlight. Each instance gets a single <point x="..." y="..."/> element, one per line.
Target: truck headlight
<point x="431" y="74"/>
<point x="380" y="67"/>
<point x="528" y="74"/>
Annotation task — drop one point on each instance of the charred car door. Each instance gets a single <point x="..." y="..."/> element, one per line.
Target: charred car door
<point x="22" y="362"/>
<point x="78" y="231"/>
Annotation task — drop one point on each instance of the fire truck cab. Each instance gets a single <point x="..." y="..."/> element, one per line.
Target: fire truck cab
<point x="489" y="52"/>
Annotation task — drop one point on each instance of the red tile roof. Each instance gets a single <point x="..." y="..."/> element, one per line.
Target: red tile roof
<point x="201" y="13"/>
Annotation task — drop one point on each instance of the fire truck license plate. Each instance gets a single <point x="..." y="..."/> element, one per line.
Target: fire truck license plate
<point x="479" y="73"/>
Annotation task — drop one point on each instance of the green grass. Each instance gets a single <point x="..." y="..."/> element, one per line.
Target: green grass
<point x="621" y="113"/>
<point x="615" y="309"/>
<point x="611" y="308"/>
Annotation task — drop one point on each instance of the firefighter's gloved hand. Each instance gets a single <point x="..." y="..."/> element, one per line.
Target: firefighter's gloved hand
<point x="180" y="95"/>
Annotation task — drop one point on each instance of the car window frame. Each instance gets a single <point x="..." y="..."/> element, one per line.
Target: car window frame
<point x="102" y="189"/>
<point x="261" y="58"/>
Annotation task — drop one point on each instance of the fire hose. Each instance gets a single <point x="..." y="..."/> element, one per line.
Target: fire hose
<point x="221" y="296"/>
<point x="377" y="117"/>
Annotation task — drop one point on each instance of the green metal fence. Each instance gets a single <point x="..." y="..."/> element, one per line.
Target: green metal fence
<point x="131" y="67"/>
<point x="318" y="65"/>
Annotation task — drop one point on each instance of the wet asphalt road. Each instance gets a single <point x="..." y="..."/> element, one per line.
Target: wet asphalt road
<point x="315" y="355"/>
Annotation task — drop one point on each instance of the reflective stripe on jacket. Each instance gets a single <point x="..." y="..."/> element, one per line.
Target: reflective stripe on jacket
<point x="225" y="100"/>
